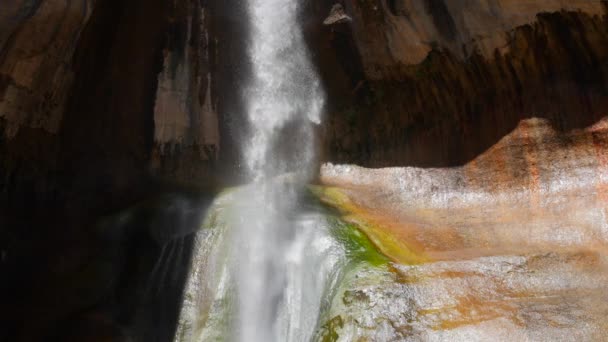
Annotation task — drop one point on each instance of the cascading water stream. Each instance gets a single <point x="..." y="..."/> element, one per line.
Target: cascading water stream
<point x="264" y="264"/>
<point x="283" y="94"/>
<point x="283" y="101"/>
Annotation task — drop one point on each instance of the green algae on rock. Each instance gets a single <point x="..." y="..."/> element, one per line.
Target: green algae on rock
<point x="357" y="245"/>
<point x="516" y="242"/>
<point x="334" y="247"/>
<point x="373" y="226"/>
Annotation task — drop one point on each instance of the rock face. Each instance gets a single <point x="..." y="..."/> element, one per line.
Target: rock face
<point x="512" y="245"/>
<point x="104" y="101"/>
<point x="435" y="83"/>
<point x="395" y="33"/>
<point x="103" y="104"/>
<point x="38" y="41"/>
<point x="197" y="104"/>
<point x="336" y="16"/>
<point x="120" y="94"/>
<point x="93" y="89"/>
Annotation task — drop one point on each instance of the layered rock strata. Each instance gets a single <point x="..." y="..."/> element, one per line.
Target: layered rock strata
<point x="513" y="245"/>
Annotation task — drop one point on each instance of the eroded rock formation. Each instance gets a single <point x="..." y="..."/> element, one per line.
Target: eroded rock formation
<point x="511" y="245"/>
<point x="103" y="104"/>
<point x="391" y="34"/>
<point x="337" y="15"/>
<point x="435" y="83"/>
<point x="93" y="89"/>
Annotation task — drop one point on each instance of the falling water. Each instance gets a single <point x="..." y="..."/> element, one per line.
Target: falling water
<point x="265" y="263"/>
<point x="284" y="96"/>
<point x="278" y="297"/>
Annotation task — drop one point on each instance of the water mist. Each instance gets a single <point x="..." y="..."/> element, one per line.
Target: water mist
<point x="277" y="297"/>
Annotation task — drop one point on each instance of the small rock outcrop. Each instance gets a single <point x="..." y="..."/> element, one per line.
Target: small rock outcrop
<point x="337" y="15"/>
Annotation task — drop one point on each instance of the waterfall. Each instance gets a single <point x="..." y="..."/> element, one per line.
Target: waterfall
<point x="264" y="264"/>
<point x="284" y="96"/>
<point x="283" y="102"/>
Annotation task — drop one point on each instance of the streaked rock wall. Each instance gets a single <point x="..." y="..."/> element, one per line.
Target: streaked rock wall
<point x="104" y="104"/>
<point x="394" y="33"/>
<point x="186" y="123"/>
<point x="104" y="95"/>
<point x="435" y="83"/>
<point x="37" y="42"/>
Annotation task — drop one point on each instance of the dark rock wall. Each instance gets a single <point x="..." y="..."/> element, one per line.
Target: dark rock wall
<point x="198" y="102"/>
<point x="105" y="104"/>
<point x="404" y="91"/>
<point x="98" y="97"/>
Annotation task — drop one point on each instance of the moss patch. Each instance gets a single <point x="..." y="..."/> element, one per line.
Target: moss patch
<point x="358" y="246"/>
<point x="387" y="243"/>
<point x="329" y="331"/>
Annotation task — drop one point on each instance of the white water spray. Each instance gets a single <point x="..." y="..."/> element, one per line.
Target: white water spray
<point x="284" y="96"/>
<point x="278" y="296"/>
<point x="282" y="259"/>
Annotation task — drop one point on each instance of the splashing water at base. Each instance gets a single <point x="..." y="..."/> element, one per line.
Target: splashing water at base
<point x="312" y="263"/>
<point x="271" y="284"/>
<point x="275" y="285"/>
<point x="285" y="263"/>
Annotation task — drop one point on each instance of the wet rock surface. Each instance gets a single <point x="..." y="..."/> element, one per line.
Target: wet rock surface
<point x="552" y="297"/>
<point x="511" y="246"/>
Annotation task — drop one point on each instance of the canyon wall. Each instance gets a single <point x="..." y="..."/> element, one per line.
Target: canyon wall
<point x="96" y="89"/>
<point x="103" y="104"/>
<point x="436" y="83"/>
<point x="100" y="97"/>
